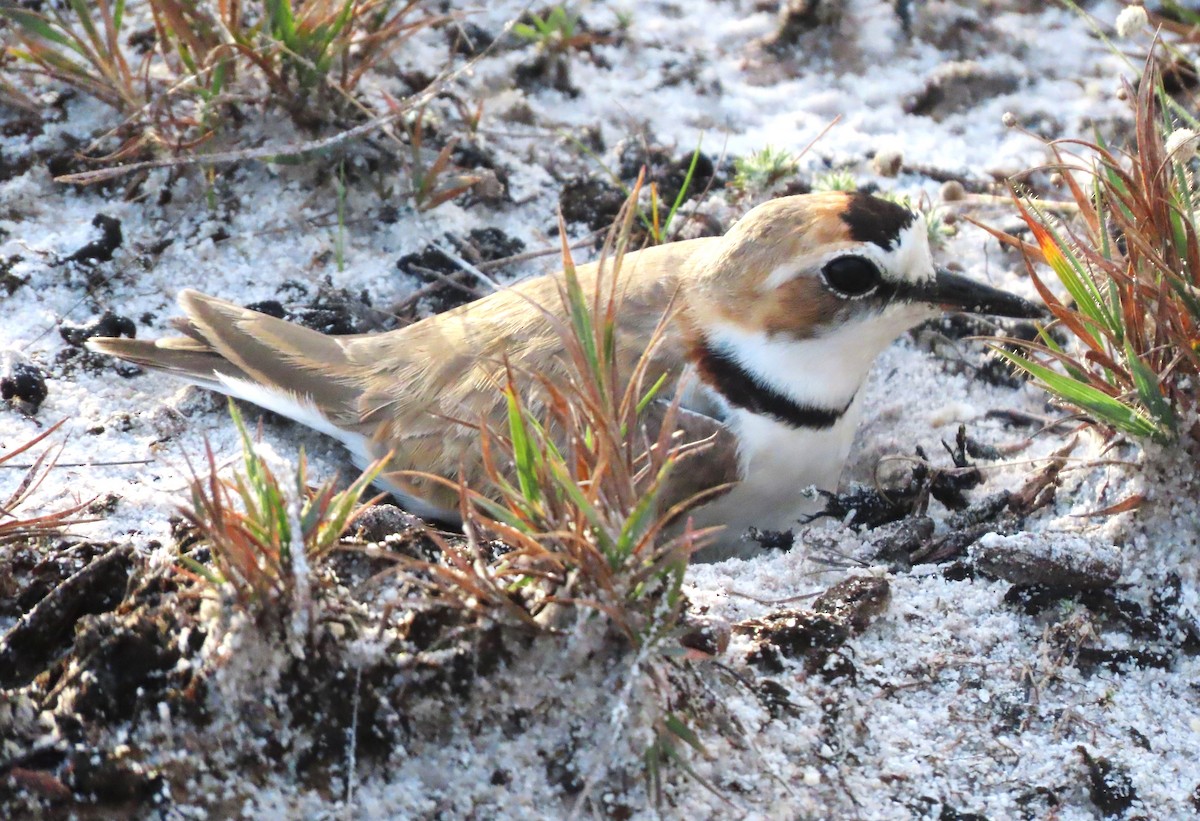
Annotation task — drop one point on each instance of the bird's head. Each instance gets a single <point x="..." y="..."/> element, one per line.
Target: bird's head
<point x="815" y="265"/>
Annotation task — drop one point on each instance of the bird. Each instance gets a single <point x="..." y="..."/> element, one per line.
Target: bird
<point x="772" y="329"/>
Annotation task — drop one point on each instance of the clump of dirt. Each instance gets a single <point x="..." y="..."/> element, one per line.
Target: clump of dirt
<point x="1109" y="786"/>
<point x="1105" y="630"/>
<point x="88" y="654"/>
<point x="669" y="172"/>
<point x="814" y="636"/>
<point x="797" y="19"/>
<point x="446" y="284"/>
<point x="468" y="39"/>
<point x="959" y="86"/>
<point x="101" y="249"/>
<point x="108" y="324"/>
<point x="22" y="383"/>
<point x="105" y="640"/>
<point x="895" y="516"/>
<point x="331" y="311"/>
<point x="9" y="281"/>
<point x="592" y="200"/>
<point x="864" y="507"/>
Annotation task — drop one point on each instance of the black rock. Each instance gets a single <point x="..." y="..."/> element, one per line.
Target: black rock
<point x="108" y="324"/>
<point x="1110" y="788"/>
<point x="468" y="39"/>
<point x="21" y="382"/>
<point x="100" y="250"/>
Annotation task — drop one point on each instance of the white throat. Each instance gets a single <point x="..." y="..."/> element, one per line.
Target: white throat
<point x="824" y="371"/>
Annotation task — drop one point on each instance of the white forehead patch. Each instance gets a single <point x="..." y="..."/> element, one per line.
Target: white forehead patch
<point x="910" y="260"/>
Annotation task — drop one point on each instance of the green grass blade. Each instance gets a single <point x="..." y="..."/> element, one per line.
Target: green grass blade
<point x="1146" y="383"/>
<point x="571" y="490"/>
<point x="40" y="27"/>
<point x="1100" y="405"/>
<point x="683" y="732"/>
<point x="1074" y="276"/>
<point x="84" y="14"/>
<point x="649" y="396"/>
<point x="681" y="197"/>
<point x="525" y="455"/>
<point x="642" y="515"/>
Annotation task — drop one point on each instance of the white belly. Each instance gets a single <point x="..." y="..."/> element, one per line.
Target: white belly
<point x="780" y="465"/>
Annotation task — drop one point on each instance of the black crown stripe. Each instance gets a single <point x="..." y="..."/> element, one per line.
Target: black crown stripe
<point x="875" y="220"/>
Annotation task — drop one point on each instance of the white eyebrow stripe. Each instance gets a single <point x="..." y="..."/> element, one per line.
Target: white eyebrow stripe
<point x="910" y="260"/>
<point x="785" y="272"/>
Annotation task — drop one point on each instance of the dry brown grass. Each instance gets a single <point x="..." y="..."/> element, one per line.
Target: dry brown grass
<point x="15" y="526"/>
<point x="305" y="56"/>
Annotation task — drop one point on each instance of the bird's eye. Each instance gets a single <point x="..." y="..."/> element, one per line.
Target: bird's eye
<point x="851" y="276"/>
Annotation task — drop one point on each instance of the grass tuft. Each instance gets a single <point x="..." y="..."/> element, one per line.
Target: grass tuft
<point x="557" y="31"/>
<point x="581" y="499"/>
<point x="835" y="181"/>
<point x="262" y="534"/>
<point x="580" y="474"/>
<point x="305" y="57"/>
<point x="1129" y="265"/>
<point x="761" y="170"/>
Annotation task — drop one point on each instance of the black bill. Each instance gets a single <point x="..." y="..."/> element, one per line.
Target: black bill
<point x="952" y="292"/>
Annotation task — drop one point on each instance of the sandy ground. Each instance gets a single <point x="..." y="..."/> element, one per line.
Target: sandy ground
<point x="968" y="696"/>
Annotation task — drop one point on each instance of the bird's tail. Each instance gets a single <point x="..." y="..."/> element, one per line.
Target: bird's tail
<point x="278" y="365"/>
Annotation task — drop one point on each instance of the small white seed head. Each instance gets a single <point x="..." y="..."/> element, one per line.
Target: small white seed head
<point x="1182" y="144"/>
<point x="888" y="162"/>
<point x="1131" y="20"/>
<point x="1009" y="119"/>
<point x="953" y="191"/>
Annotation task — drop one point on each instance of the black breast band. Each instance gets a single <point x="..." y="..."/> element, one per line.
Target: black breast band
<point x="722" y="373"/>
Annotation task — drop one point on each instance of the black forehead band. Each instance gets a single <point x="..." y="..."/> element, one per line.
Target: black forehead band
<point x="875" y="220"/>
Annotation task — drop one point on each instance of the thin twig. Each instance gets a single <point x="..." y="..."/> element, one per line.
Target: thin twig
<point x="468" y="267"/>
<point x="85" y="464"/>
